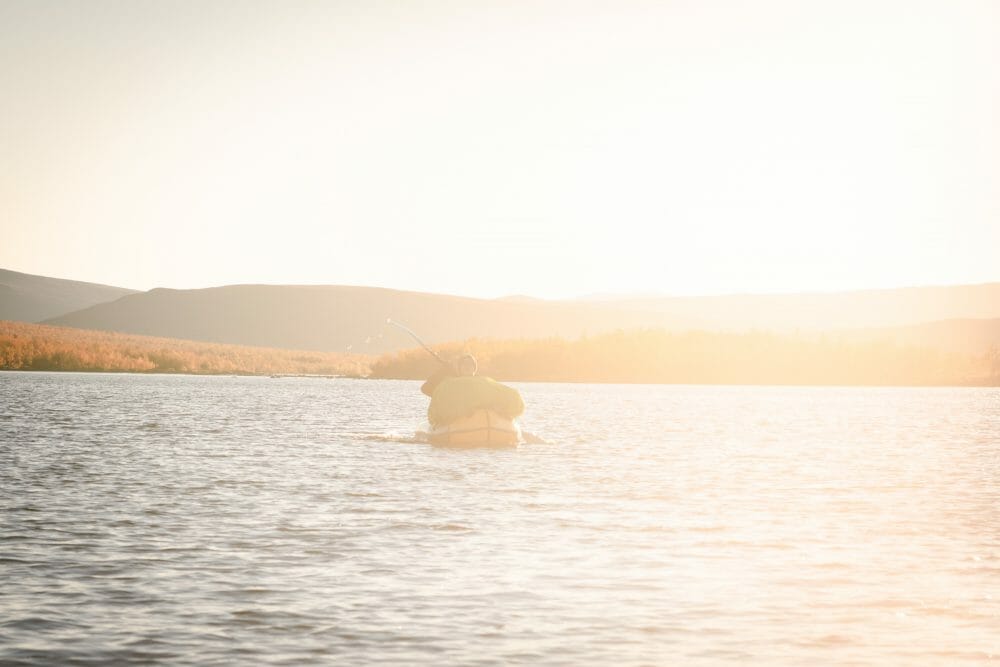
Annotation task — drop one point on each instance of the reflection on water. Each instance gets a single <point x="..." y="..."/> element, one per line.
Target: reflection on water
<point x="255" y="520"/>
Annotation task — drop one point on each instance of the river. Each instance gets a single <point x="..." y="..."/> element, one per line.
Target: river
<point x="233" y="520"/>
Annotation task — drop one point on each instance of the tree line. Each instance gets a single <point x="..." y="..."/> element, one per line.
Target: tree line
<point x="640" y="356"/>
<point x="701" y="357"/>
<point x="38" y="347"/>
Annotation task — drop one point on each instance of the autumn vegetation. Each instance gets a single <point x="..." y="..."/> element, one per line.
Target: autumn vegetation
<point x="657" y="356"/>
<point x="38" y="347"/>
<point x="641" y="356"/>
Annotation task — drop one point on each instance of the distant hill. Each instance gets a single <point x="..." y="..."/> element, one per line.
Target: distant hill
<point x="30" y="298"/>
<point x="824" y="311"/>
<point x="343" y="318"/>
<point x="340" y="318"/>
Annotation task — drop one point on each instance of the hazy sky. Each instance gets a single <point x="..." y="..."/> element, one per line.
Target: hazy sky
<point x="482" y="148"/>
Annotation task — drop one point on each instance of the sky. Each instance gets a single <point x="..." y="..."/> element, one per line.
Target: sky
<point x="551" y="149"/>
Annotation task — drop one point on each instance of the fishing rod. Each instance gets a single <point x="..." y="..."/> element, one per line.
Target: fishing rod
<point x="415" y="337"/>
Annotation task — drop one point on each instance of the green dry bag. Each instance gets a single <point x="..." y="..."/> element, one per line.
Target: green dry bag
<point x="460" y="397"/>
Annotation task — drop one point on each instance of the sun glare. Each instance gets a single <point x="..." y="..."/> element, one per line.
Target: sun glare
<point x="707" y="148"/>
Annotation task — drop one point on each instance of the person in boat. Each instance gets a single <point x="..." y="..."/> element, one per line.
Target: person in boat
<point x="458" y="392"/>
<point x="465" y="366"/>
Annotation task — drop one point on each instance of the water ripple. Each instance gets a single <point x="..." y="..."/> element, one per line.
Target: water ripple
<point x="213" y="521"/>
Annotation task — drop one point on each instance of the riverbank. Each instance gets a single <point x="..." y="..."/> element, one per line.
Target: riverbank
<point x="38" y="347"/>
<point x="636" y="357"/>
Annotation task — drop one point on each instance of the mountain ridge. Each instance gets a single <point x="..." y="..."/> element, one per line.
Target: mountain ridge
<point x="28" y="297"/>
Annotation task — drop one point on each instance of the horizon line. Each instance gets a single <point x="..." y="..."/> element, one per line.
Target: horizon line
<point x="586" y="297"/>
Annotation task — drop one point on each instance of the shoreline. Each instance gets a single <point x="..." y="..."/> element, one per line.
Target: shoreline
<point x="658" y="357"/>
<point x="281" y="376"/>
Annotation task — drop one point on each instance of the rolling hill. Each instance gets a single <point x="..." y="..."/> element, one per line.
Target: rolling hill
<point x="29" y="298"/>
<point x="344" y="318"/>
<point x="340" y="318"/>
<point x="826" y="310"/>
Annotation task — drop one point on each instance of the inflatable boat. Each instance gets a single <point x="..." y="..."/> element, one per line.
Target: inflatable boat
<point x="482" y="428"/>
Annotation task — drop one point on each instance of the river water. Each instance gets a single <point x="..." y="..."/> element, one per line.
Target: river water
<point x="224" y="520"/>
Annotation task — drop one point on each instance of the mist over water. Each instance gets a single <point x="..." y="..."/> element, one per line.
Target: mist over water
<point x="211" y="520"/>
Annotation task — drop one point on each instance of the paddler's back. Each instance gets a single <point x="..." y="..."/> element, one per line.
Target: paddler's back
<point x="458" y="397"/>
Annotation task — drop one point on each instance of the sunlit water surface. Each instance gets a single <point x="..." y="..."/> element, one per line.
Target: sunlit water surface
<point x="217" y="520"/>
